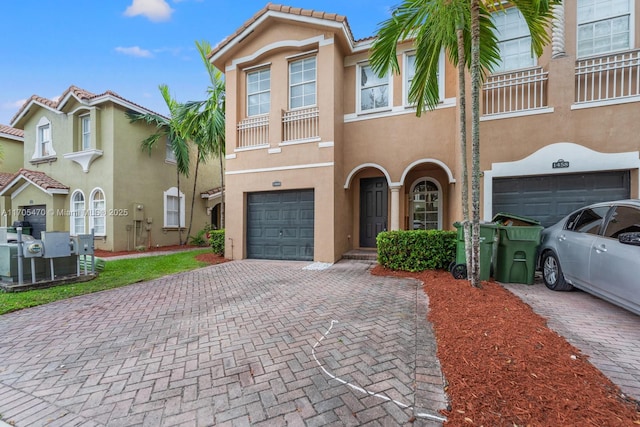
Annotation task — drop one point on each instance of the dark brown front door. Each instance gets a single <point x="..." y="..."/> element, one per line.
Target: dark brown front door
<point x="373" y="210"/>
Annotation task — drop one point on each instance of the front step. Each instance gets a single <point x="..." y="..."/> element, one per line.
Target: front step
<point x="361" y="254"/>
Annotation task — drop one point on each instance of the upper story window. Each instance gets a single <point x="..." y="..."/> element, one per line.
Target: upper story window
<point x="374" y="92"/>
<point x="258" y="92"/>
<point x="77" y="213"/>
<point x="86" y="132"/>
<point x="44" y="143"/>
<point x="603" y="26"/>
<point x="410" y="72"/>
<point x="514" y="40"/>
<point x="169" y="155"/>
<point x="302" y="83"/>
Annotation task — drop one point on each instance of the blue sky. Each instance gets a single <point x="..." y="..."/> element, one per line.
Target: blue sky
<point x="131" y="46"/>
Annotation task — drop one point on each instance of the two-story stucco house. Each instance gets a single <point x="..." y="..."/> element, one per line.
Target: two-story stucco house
<point x="84" y="169"/>
<point x="322" y="154"/>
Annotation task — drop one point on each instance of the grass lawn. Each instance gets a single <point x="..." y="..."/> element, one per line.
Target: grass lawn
<point x="116" y="273"/>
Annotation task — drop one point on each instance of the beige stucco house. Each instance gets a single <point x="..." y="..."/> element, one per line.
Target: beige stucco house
<point x="84" y="169"/>
<point x="11" y="147"/>
<point x="322" y="154"/>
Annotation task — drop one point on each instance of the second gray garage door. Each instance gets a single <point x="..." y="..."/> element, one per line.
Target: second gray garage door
<point x="280" y="225"/>
<point x="548" y="198"/>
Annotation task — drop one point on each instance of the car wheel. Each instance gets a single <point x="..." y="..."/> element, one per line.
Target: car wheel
<point x="552" y="273"/>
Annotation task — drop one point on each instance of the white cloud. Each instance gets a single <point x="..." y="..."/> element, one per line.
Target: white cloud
<point x="13" y="104"/>
<point x="154" y="10"/>
<point x="134" y="51"/>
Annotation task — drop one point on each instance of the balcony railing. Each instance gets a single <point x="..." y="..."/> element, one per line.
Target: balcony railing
<point x="253" y="132"/>
<point x="300" y="125"/>
<point x="515" y="91"/>
<point x="608" y="77"/>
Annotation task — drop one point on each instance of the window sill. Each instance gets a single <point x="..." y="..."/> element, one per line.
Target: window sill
<point x="174" y="228"/>
<point x="40" y="160"/>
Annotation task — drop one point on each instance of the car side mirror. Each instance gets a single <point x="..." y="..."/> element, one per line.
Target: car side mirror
<point x="630" y="238"/>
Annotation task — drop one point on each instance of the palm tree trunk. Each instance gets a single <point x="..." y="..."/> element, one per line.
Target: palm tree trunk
<point x="193" y="194"/>
<point x="462" y="101"/>
<point x="475" y="142"/>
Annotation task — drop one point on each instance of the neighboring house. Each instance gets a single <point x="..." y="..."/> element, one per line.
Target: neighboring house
<point x="11" y="159"/>
<point x="84" y="169"/>
<point x="322" y="154"/>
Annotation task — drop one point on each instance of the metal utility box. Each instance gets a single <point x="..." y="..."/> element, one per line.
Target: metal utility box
<point x="56" y="244"/>
<point x="32" y="249"/>
<point x="3" y="234"/>
<point x="85" y="244"/>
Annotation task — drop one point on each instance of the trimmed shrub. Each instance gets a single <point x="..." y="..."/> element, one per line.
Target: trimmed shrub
<point x="416" y="250"/>
<point x="216" y="240"/>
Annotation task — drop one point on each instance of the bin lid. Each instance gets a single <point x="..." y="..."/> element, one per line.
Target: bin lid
<point x="508" y="219"/>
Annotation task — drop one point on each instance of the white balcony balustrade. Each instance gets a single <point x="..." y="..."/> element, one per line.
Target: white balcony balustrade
<point x="515" y="91"/>
<point x="253" y="132"/>
<point x="608" y="78"/>
<point x="300" y="125"/>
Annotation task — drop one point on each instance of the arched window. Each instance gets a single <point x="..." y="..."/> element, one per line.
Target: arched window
<point x="77" y="213"/>
<point x="426" y="205"/>
<point x="98" y="213"/>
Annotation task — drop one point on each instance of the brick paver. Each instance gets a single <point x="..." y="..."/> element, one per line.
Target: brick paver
<point x="227" y="345"/>
<point x="607" y="334"/>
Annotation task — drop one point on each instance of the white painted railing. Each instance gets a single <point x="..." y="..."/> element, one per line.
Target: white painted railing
<point x="515" y="91"/>
<point x="253" y="132"/>
<point x="300" y="124"/>
<point x="608" y="77"/>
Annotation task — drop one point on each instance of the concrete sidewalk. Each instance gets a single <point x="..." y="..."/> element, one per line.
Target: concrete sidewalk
<point x="241" y="343"/>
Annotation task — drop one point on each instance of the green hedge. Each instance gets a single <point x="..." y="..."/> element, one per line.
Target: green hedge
<point x="416" y="250"/>
<point x="216" y="240"/>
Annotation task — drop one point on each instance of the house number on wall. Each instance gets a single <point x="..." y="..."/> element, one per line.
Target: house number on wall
<point x="560" y="164"/>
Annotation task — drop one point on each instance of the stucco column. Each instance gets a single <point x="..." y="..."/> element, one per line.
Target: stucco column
<point x="395" y="208"/>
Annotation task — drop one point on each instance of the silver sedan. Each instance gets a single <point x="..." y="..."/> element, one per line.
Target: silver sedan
<point x="596" y="249"/>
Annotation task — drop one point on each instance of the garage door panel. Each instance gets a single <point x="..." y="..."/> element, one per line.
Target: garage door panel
<point x="548" y="198"/>
<point x="285" y="223"/>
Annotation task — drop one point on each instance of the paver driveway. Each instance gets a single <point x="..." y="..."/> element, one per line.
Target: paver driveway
<point x="241" y="343"/>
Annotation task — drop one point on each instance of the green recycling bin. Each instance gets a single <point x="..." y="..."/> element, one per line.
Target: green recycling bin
<point x="518" y="240"/>
<point x="487" y="237"/>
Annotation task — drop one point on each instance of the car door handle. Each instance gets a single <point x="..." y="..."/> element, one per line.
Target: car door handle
<point x="601" y="248"/>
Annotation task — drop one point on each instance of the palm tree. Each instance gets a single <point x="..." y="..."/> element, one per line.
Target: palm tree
<point x="169" y="128"/>
<point x="456" y="27"/>
<point x="204" y="121"/>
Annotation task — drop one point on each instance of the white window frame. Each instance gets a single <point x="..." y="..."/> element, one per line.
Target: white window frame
<point x="85" y="127"/>
<point x="359" y="89"/>
<point x="259" y="92"/>
<point x="303" y="82"/>
<point x="173" y="192"/>
<point x="411" y="202"/>
<point x="169" y="154"/>
<point x="44" y="145"/>
<point x="77" y="212"/>
<point x="98" y="212"/>
<point x="524" y="37"/>
<point x="407" y="77"/>
<point x="631" y="38"/>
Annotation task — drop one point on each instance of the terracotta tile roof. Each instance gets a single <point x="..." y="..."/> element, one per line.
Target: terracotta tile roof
<point x="41" y="179"/>
<point x="82" y="94"/>
<point x="211" y="192"/>
<point x="5" y="178"/>
<point x="11" y="131"/>
<point x="284" y="9"/>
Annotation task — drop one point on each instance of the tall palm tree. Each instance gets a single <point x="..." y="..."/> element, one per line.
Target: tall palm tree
<point x="170" y="128"/>
<point x="204" y="120"/>
<point x="455" y="26"/>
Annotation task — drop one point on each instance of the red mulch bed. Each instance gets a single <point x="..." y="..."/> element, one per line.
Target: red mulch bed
<point x="208" y="257"/>
<point x="505" y="367"/>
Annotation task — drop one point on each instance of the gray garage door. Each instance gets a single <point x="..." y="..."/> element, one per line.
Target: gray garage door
<point x="548" y="198"/>
<point x="280" y="225"/>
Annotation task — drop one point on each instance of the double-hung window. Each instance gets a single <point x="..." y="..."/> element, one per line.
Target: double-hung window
<point x="77" y="213"/>
<point x="44" y="140"/>
<point x="373" y="91"/>
<point x="169" y="154"/>
<point x="86" y="132"/>
<point x="514" y="40"/>
<point x="98" y="214"/>
<point x="603" y="26"/>
<point x="258" y="92"/>
<point x="174" y="208"/>
<point x="302" y="83"/>
<point x="409" y="73"/>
